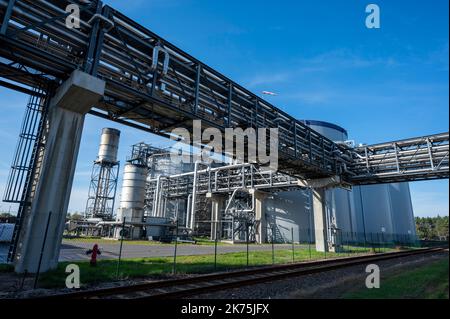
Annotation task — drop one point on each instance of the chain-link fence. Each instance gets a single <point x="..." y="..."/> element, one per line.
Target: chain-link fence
<point x="119" y="257"/>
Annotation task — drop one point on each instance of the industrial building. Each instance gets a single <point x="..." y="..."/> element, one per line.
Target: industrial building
<point x="360" y="212"/>
<point x="153" y="209"/>
<point x="116" y="69"/>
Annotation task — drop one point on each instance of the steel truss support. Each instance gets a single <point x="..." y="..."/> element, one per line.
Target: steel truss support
<point x="153" y="85"/>
<point x="102" y="191"/>
<point x="406" y="160"/>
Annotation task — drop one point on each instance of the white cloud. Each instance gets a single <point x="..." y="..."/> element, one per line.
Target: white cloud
<point x="341" y="59"/>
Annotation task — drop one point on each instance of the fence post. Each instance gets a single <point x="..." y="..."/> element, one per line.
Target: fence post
<point x="379" y="242"/>
<point x="371" y="243"/>
<point x="175" y="250"/>
<point x="215" y="246"/>
<point x="365" y="243"/>
<point x="120" y="250"/>
<point x="293" y="246"/>
<point x="309" y="243"/>
<point x="23" y="279"/>
<point x="42" y="251"/>
<point x="348" y="244"/>
<point x="273" y="247"/>
<point x="247" y="238"/>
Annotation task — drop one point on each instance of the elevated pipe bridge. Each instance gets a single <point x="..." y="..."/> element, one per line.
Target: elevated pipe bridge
<point x="155" y="86"/>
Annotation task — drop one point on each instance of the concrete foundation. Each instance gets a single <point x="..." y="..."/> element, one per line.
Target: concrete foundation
<point x="132" y="216"/>
<point x="260" y="217"/>
<point x="320" y="220"/>
<point x="62" y="140"/>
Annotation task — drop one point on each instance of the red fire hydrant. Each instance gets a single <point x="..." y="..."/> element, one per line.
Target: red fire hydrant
<point x="94" y="252"/>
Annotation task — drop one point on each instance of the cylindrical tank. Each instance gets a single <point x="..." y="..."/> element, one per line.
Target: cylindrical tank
<point x="375" y="202"/>
<point x="373" y="213"/>
<point x="132" y="199"/>
<point x="133" y="187"/>
<point x="403" y="223"/>
<point x="380" y="212"/>
<point x="329" y="130"/>
<point x="338" y="201"/>
<point x="109" y="145"/>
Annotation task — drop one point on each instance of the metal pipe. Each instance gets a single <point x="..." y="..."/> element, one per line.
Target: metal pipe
<point x="194" y="194"/>
<point x="188" y="210"/>
<point x="157" y="197"/>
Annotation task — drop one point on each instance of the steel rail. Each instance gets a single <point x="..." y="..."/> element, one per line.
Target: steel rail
<point x="212" y="282"/>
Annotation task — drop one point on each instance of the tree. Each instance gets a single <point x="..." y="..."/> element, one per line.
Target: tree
<point x="432" y="228"/>
<point x="75" y="216"/>
<point x="6" y="215"/>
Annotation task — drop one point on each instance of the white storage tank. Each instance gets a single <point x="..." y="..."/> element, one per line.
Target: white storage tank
<point x="133" y="196"/>
<point x="109" y="145"/>
<point x="338" y="201"/>
<point x="374" y="205"/>
<point x="403" y="223"/>
<point x="380" y="212"/>
<point x="292" y="210"/>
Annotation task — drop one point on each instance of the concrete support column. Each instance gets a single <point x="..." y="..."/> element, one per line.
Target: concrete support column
<point x="72" y="101"/>
<point x="260" y="217"/>
<point x="320" y="220"/>
<point x="217" y="206"/>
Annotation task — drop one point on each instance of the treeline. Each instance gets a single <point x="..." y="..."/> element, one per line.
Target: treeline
<point x="432" y="228"/>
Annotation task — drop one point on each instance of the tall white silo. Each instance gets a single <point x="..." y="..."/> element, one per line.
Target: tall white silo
<point x="133" y="197"/>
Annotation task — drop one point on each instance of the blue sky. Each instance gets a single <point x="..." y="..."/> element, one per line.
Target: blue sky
<point x="379" y="84"/>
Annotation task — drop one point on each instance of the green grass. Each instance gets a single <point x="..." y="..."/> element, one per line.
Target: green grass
<point x="4" y="268"/>
<point x="160" y="266"/>
<point x="426" y="282"/>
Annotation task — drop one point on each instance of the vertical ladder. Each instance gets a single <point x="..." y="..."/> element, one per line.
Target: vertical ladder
<point x="27" y="162"/>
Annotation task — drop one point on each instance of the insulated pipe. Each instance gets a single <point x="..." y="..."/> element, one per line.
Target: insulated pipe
<point x="157" y="193"/>
<point x="103" y="18"/>
<point x="194" y="194"/>
<point x="244" y="210"/>
<point x="155" y="59"/>
<point x="56" y="30"/>
<point x="188" y="210"/>
<point x="217" y="169"/>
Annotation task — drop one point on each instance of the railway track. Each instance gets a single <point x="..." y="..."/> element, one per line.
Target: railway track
<point x="177" y="288"/>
